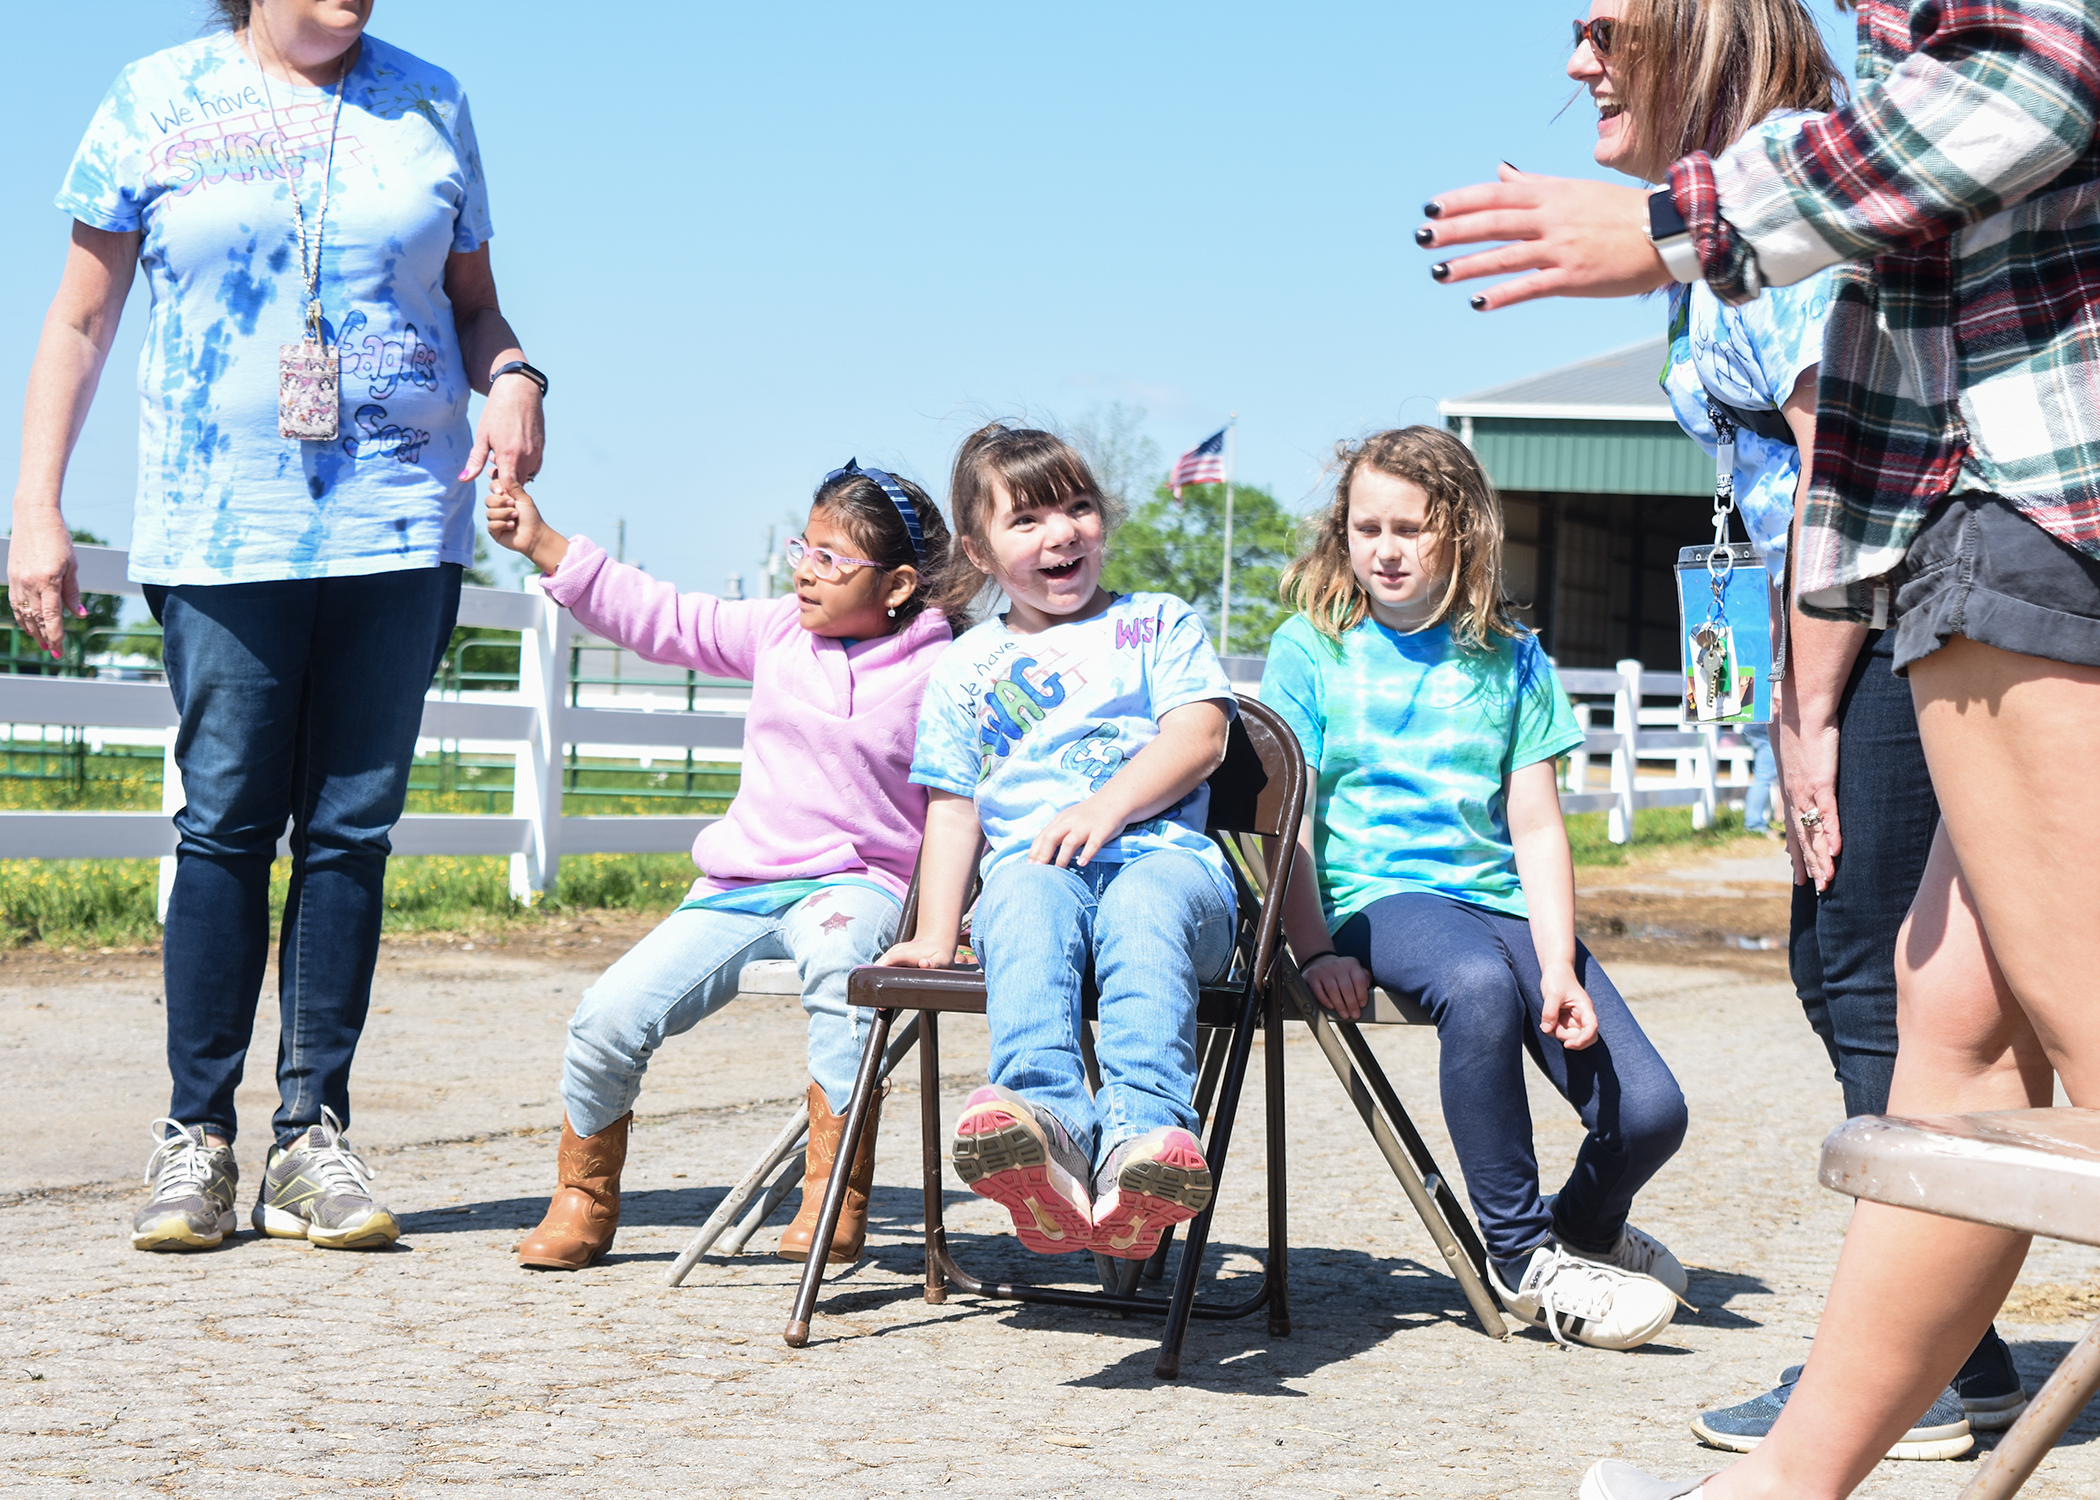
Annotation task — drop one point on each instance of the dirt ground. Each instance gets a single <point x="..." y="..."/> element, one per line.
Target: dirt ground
<point x="439" y="1368"/>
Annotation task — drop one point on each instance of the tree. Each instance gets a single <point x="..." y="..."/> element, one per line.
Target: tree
<point x="1176" y="547"/>
<point x="1123" y="459"/>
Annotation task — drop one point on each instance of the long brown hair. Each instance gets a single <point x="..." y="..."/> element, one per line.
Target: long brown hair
<point x="1461" y="514"/>
<point x="1695" y="75"/>
<point x="871" y="518"/>
<point x="1036" y="468"/>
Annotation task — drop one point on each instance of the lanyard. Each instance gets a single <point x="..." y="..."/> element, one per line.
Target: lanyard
<point x="309" y="259"/>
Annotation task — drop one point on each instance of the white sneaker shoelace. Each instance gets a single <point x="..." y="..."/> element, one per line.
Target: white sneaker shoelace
<point x="340" y="1170"/>
<point x="1571" y="1287"/>
<point x="1639" y="1251"/>
<point x="180" y="1162"/>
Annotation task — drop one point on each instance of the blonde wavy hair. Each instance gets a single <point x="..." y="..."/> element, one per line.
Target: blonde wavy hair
<point x="1461" y="515"/>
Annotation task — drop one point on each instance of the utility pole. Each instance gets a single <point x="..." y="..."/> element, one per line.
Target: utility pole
<point x="1225" y="586"/>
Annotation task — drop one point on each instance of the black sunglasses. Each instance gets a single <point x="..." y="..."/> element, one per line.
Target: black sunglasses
<point x="1597" y="33"/>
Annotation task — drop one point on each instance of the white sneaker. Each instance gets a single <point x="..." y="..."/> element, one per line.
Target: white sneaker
<point x="1644" y="1255"/>
<point x="1587" y="1302"/>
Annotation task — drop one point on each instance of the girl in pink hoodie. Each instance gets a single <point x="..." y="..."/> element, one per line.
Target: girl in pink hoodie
<point x="812" y="859"/>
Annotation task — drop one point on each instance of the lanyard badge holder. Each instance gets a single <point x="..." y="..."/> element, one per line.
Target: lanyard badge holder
<point x="309" y="373"/>
<point x="1724" y="610"/>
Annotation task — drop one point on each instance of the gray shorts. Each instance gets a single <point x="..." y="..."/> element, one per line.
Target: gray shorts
<point x="1982" y="570"/>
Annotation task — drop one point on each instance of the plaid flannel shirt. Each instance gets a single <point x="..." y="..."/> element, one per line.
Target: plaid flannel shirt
<point x="1962" y="185"/>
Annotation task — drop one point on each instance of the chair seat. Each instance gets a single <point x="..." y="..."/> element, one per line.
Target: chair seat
<point x="769" y="976"/>
<point x="961" y="989"/>
<point x="2032" y="1170"/>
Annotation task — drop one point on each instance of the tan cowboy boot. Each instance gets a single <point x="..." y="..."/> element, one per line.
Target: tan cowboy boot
<point x="825" y="1130"/>
<point x="585" y="1212"/>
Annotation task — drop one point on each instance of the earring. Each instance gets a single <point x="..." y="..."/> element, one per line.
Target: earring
<point x="893" y="614"/>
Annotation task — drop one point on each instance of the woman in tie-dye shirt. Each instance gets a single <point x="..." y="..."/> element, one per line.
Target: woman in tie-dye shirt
<point x="1430" y="721"/>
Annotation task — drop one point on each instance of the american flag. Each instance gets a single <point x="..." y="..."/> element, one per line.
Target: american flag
<point x="1202" y="464"/>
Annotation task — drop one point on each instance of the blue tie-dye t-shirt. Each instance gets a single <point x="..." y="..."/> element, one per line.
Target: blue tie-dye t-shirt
<point x="1030" y="725"/>
<point x="1409" y="741"/>
<point x="184" y="152"/>
<point x="1749" y="357"/>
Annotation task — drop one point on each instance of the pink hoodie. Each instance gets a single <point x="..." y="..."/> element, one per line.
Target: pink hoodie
<point x="827" y="747"/>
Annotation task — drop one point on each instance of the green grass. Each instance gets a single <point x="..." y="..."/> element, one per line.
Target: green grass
<point x="106" y="903"/>
<point x="1653" y="828"/>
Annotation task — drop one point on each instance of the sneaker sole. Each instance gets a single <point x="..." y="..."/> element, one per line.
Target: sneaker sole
<point x="1994" y="1413"/>
<point x="175" y="1233"/>
<point x="375" y="1230"/>
<point x="1001" y="1158"/>
<point x="1919" y="1449"/>
<point x="1150" y="1195"/>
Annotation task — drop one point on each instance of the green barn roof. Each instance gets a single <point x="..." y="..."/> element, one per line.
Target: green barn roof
<point x="1600" y="427"/>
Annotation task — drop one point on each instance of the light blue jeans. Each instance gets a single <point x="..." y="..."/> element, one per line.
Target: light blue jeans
<point x="1764" y="770"/>
<point x="687" y="969"/>
<point x="1155" y="928"/>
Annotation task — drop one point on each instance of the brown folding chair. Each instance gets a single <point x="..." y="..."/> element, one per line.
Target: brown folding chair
<point x="1259" y="790"/>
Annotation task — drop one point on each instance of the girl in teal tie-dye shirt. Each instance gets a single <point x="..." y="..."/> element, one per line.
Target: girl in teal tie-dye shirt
<point x="1431" y="720"/>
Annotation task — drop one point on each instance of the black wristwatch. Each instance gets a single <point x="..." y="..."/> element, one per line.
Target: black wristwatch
<point x="1671" y="237"/>
<point x="519" y="367"/>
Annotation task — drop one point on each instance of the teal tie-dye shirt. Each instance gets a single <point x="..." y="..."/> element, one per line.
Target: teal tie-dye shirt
<point x="1409" y="741"/>
<point x="184" y="153"/>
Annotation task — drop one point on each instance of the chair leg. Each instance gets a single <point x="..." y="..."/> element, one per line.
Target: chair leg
<point x="785" y="1144"/>
<point x="2054" y="1407"/>
<point x="864" y="1087"/>
<point x="1279" y="1267"/>
<point x="930" y="1153"/>
<point x="1168" y="1365"/>
<point x="1211" y="1047"/>
<point x="733" y="1242"/>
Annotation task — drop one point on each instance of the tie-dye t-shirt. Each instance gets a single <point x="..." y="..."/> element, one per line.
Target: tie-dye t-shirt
<point x="1030" y="725"/>
<point x="1409" y="741"/>
<point x="183" y="151"/>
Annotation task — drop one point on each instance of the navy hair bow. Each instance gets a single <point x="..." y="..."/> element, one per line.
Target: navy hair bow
<point x="898" y="498"/>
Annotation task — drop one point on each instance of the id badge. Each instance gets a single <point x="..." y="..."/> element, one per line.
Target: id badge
<point x="1724" y="609"/>
<point x="308" y="391"/>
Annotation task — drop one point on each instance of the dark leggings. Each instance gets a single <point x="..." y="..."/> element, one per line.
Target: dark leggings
<point x="1476" y="973"/>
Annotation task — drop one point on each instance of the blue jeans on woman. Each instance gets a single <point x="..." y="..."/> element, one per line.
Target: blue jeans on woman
<point x="1477" y="974"/>
<point x="1155" y="929"/>
<point x="1764" y="774"/>
<point x="687" y="969"/>
<point x="300" y="701"/>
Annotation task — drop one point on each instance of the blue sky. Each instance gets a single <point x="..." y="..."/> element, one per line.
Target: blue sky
<point x="748" y="242"/>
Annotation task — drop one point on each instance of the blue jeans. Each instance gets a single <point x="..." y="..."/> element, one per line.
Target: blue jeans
<point x="1155" y="929"/>
<point x="1764" y="770"/>
<point x="686" y="970"/>
<point x="1842" y="944"/>
<point x="1476" y="973"/>
<point x="300" y="700"/>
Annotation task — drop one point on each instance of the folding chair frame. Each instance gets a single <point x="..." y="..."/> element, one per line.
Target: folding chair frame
<point x="1272" y="806"/>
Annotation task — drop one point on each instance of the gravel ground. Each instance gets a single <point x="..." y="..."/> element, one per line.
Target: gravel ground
<point x="438" y="1367"/>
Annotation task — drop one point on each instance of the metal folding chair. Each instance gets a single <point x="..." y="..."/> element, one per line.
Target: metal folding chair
<point x="2032" y="1170"/>
<point x="1260" y="791"/>
<point x="778" y="1170"/>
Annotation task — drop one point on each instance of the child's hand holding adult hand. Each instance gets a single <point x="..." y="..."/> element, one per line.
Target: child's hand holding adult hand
<point x="1076" y="835"/>
<point x="1567" y="1014"/>
<point x="1339" y="983"/>
<point x="514" y="522"/>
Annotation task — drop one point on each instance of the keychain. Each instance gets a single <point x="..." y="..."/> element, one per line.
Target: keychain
<point x="1726" y="630"/>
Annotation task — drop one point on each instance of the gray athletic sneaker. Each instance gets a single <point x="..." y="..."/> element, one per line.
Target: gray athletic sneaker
<point x="193" y="1190"/>
<point x="317" y="1189"/>
<point x="1943" y="1432"/>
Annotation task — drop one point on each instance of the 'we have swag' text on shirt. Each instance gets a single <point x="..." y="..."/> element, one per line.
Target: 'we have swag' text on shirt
<point x="1030" y="725"/>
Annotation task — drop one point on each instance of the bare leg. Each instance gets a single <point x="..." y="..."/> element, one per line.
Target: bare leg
<point x="1982" y="1021"/>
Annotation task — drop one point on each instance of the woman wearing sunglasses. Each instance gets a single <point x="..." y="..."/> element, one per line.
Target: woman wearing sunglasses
<point x="811" y="860"/>
<point x="1670" y="77"/>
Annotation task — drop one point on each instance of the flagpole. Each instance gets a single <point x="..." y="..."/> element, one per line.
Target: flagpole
<point x="1225" y="586"/>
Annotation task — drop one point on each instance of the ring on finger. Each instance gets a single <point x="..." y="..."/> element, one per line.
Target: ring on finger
<point x="1811" y="820"/>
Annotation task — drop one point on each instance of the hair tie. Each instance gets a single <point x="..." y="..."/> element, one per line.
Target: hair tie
<point x="898" y="498"/>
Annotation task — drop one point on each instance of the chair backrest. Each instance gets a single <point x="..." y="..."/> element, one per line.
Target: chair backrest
<point x="1261" y="785"/>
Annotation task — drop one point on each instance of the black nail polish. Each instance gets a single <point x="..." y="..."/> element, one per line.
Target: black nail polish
<point x="1432" y="209"/>
<point x="1441" y="270"/>
<point x="1425" y="236"/>
<point x="1512" y="166"/>
<point x="1478" y="303"/>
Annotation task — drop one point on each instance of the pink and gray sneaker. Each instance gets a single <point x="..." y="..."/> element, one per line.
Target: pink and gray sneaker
<point x="1022" y="1159"/>
<point x="1147" y="1183"/>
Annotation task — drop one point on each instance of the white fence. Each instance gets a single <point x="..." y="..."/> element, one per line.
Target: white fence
<point x="535" y="721"/>
<point x="537" y="724"/>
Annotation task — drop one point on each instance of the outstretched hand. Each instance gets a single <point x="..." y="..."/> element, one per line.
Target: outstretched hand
<point x="514" y="522"/>
<point x="1578" y="238"/>
<point x="1567" y="1013"/>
